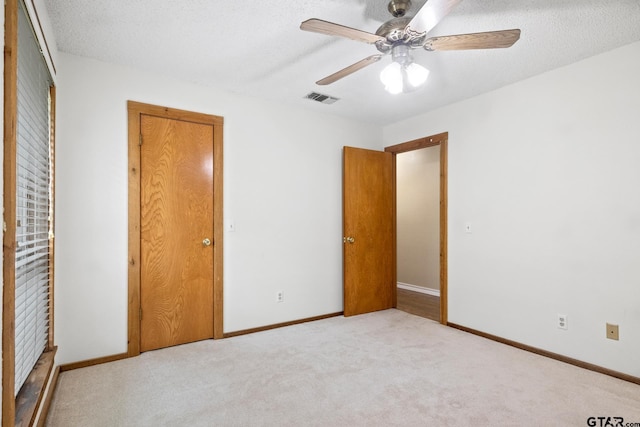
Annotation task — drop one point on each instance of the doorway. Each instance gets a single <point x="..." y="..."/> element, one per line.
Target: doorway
<point x="426" y="303"/>
<point x="418" y="231"/>
<point x="175" y="227"/>
<point x="369" y="244"/>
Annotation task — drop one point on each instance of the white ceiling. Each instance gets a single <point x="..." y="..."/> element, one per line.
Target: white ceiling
<point x="256" y="47"/>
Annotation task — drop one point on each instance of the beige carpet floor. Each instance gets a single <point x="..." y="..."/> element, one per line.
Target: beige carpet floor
<point x="388" y="368"/>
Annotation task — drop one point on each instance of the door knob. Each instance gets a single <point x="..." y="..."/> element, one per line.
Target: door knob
<point x="206" y="242"/>
<point x="348" y="240"/>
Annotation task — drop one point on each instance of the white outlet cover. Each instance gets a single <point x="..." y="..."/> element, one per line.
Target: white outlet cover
<point x="563" y="321"/>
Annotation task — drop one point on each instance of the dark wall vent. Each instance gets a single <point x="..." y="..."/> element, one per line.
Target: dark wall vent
<point x="325" y="99"/>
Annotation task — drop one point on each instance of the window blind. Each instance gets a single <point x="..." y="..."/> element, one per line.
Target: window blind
<point x="33" y="202"/>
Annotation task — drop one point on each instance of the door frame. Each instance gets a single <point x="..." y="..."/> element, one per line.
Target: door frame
<point x="135" y="110"/>
<point x="440" y="139"/>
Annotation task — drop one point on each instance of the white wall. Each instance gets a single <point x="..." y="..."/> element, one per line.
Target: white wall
<point x="282" y="188"/>
<point x="418" y="217"/>
<point x="547" y="172"/>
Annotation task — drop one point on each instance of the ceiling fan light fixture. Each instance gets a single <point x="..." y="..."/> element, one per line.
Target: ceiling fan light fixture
<point x="404" y="33"/>
<point x="391" y="77"/>
<point x="402" y="74"/>
<point x="417" y="75"/>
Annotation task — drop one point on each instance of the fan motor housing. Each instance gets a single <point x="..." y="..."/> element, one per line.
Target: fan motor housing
<point x="393" y="30"/>
<point x="394" y="33"/>
<point x="398" y="8"/>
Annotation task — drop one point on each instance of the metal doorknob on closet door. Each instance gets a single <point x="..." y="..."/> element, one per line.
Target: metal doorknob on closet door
<point x="349" y="240"/>
<point x="206" y="242"/>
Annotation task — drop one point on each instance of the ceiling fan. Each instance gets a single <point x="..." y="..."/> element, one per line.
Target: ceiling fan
<point x="401" y="34"/>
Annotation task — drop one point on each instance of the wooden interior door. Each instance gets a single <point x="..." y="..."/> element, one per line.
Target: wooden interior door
<point x="369" y="231"/>
<point x="176" y="232"/>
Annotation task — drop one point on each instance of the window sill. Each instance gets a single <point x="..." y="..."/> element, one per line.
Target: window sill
<point x="30" y="396"/>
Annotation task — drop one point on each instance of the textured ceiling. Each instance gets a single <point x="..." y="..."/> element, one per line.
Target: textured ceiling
<point x="256" y="47"/>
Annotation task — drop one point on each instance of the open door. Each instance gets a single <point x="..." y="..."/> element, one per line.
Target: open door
<point x="369" y="233"/>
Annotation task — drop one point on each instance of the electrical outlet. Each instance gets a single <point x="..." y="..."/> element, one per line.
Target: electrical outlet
<point x="280" y="296"/>
<point x="612" y="331"/>
<point x="563" y="321"/>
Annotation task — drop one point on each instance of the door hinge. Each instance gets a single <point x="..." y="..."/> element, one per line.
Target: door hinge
<point x="140" y="140"/>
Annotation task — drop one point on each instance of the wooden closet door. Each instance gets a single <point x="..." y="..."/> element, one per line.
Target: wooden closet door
<point x="176" y="232"/>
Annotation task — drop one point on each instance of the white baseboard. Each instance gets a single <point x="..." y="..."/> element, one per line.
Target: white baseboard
<point x="414" y="288"/>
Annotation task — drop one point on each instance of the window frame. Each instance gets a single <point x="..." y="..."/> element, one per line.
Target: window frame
<point x="23" y="408"/>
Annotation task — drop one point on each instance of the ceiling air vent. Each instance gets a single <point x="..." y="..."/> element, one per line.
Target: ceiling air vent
<point x="325" y="99"/>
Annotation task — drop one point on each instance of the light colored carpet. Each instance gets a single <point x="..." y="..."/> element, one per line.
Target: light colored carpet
<point x="385" y="368"/>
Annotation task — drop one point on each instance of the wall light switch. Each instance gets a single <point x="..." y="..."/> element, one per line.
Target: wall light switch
<point x="231" y="226"/>
<point x="467" y="227"/>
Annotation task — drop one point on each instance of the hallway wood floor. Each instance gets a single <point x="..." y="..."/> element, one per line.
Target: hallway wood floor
<point x="420" y="304"/>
